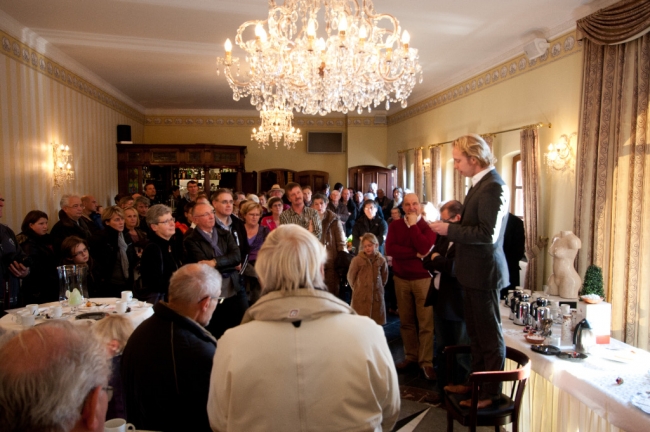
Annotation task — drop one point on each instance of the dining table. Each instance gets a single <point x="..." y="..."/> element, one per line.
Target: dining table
<point x="609" y="391"/>
<point x="137" y="312"/>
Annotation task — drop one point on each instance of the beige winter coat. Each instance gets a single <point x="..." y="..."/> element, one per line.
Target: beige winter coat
<point x="303" y="361"/>
<point x="367" y="277"/>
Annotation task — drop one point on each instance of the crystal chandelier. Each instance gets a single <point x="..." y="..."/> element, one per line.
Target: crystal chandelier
<point x="358" y="60"/>
<point x="62" y="168"/>
<point x="558" y="156"/>
<point x="276" y="123"/>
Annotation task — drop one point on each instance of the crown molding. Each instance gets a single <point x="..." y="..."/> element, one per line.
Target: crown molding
<point x="561" y="47"/>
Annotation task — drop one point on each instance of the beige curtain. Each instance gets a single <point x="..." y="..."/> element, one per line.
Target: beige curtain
<point x="419" y="173"/>
<point x="435" y="155"/>
<point x="530" y="171"/>
<point x="459" y="187"/>
<point x="401" y="170"/>
<point x="612" y="218"/>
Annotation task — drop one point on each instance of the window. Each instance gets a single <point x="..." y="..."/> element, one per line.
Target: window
<point x="517" y="199"/>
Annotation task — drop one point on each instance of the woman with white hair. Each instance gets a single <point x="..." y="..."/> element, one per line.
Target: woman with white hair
<point x="286" y="355"/>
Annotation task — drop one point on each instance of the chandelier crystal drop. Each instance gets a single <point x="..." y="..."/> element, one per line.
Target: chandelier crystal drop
<point x="319" y="56"/>
<point x="276" y="124"/>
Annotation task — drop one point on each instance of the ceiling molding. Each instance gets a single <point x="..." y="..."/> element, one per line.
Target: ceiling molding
<point x="162" y="46"/>
<point x="22" y="53"/>
<point x="35" y="42"/>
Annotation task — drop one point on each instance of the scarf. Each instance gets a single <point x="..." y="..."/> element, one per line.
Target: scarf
<point x="121" y="244"/>
<point x="213" y="240"/>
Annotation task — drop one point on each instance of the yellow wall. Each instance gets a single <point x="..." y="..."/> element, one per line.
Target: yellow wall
<point x="39" y="108"/>
<point x="366" y="143"/>
<point x="550" y="93"/>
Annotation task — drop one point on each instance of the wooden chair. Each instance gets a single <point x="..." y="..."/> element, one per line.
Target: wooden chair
<point x="502" y="413"/>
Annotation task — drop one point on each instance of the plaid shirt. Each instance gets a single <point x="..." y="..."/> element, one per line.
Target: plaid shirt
<point x="308" y="214"/>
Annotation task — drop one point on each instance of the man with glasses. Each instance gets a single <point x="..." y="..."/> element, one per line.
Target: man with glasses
<point x="54" y="377"/>
<point x="162" y="256"/>
<point x="446" y="297"/>
<point x="216" y="247"/>
<point x="71" y="222"/>
<point x="223" y="203"/>
<point x="167" y="361"/>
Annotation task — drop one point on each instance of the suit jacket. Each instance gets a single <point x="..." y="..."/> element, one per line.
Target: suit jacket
<point x="197" y="249"/>
<point x="447" y="301"/>
<point x="514" y="246"/>
<point x="480" y="261"/>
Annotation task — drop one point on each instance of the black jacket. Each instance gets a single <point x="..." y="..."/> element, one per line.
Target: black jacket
<point x="160" y="259"/>
<point x="197" y="248"/>
<point x="166" y="368"/>
<point x="10" y="251"/>
<point x="42" y="283"/>
<point x="66" y="227"/>
<point x="363" y="225"/>
<point x="104" y="250"/>
<point x="448" y="301"/>
<point x="514" y="246"/>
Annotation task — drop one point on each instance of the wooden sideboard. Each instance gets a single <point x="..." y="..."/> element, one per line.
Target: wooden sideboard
<point x="166" y="165"/>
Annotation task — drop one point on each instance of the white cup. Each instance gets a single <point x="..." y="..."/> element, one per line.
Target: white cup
<point x="32" y="308"/>
<point x="127" y="296"/>
<point x="118" y="425"/>
<point x="27" y="319"/>
<point x="120" y="306"/>
<point x="56" y="311"/>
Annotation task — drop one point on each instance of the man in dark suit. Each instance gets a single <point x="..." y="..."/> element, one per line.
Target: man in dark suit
<point x="514" y="246"/>
<point x="446" y="297"/>
<point x="481" y="266"/>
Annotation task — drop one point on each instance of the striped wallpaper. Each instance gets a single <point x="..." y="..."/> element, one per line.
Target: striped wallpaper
<point x="37" y="110"/>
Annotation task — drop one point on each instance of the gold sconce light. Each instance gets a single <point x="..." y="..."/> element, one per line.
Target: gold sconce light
<point x="62" y="168"/>
<point x="558" y="157"/>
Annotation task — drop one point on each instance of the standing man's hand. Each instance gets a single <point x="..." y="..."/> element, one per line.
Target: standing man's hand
<point x="441" y="228"/>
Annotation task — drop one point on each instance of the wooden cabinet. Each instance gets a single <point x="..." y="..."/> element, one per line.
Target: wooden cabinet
<point x="211" y="165"/>
<point x="314" y="179"/>
<point x="360" y="177"/>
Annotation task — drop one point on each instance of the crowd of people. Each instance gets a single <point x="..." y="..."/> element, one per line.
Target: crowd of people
<point x="237" y="269"/>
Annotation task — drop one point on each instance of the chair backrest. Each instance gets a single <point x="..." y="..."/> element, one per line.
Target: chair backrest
<point x="523" y="373"/>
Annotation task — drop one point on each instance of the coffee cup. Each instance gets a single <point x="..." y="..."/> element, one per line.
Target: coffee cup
<point x="27" y="319"/>
<point x="127" y="296"/>
<point x="32" y="308"/>
<point x="56" y="311"/>
<point x="118" y="425"/>
<point x="120" y="306"/>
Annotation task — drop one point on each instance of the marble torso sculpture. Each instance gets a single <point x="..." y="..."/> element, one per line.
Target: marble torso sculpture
<point x="565" y="280"/>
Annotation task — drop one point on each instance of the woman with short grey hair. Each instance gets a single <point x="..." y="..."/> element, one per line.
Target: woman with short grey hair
<point x="292" y="340"/>
<point x="161" y="257"/>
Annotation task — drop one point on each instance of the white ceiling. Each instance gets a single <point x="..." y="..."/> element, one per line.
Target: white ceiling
<point x="161" y="53"/>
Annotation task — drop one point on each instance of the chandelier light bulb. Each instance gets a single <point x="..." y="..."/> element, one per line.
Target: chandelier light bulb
<point x="311" y="28"/>
<point x="406" y="37"/>
<point x="228" y="46"/>
<point x="260" y="32"/>
<point x="343" y="24"/>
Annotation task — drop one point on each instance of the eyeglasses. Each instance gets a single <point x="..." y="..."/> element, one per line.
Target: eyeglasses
<point x="166" y="221"/>
<point x="225" y="202"/>
<point x="109" y="392"/>
<point x="219" y="299"/>
<point x="204" y="215"/>
<point x="81" y="252"/>
<point x="73" y="206"/>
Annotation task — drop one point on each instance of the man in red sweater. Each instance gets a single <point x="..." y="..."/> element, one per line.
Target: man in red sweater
<point x="408" y="241"/>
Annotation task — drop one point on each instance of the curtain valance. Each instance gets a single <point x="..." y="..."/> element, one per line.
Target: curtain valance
<point x="617" y="23"/>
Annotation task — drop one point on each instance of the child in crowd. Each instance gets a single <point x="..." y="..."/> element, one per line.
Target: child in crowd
<point x="113" y="331"/>
<point x="367" y="276"/>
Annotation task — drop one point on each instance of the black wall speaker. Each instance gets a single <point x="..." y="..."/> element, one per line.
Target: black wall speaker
<point x="123" y="133"/>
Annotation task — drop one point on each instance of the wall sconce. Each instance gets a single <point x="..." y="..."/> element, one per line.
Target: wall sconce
<point x="558" y="156"/>
<point x="62" y="169"/>
<point x="426" y="162"/>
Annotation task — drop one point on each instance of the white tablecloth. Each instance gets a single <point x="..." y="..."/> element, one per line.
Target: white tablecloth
<point x="568" y="397"/>
<point x="136" y="315"/>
